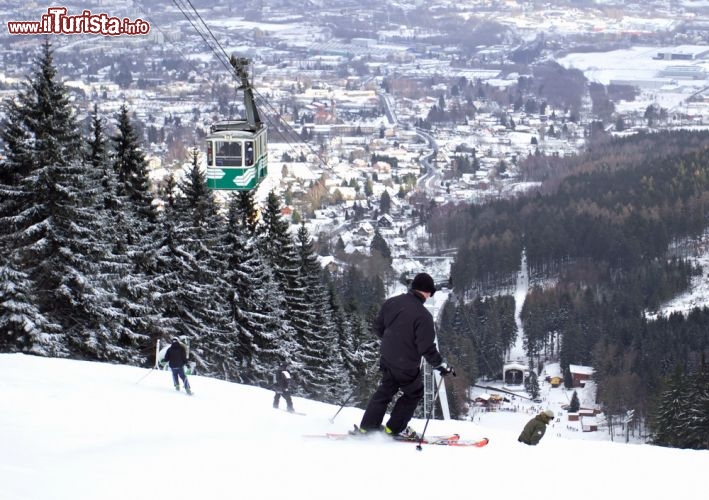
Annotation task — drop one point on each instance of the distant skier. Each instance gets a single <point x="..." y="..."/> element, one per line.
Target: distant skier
<point x="176" y="356"/>
<point x="282" y="387"/>
<point x="534" y="431"/>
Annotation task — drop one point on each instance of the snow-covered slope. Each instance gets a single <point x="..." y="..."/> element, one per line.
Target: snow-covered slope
<point x="79" y="430"/>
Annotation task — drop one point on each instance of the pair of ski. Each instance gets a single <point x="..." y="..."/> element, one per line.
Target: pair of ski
<point x="292" y="412"/>
<point x="443" y="440"/>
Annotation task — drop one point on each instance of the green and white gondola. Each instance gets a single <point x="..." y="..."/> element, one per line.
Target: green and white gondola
<point x="237" y="150"/>
<point x="237" y="156"/>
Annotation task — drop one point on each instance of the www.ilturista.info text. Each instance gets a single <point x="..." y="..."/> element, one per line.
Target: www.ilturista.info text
<point x="56" y="21"/>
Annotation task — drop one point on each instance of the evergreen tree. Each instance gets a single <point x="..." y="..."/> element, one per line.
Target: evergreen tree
<point x="112" y="338"/>
<point x="669" y="411"/>
<point x="343" y="332"/>
<point x="49" y="244"/>
<point x="385" y="202"/>
<point x="189" y="267"/>
<point x="571" y="345"/>
<point x="574" y="404"/>
<point x="278" y="249"/>
<point x="379" y="247"/>
<point x="247" y="212"/>
<point x="132" y="170"/>
<point x="24" y="327"/>
<point x="682" y="416"/>
<point x="108" y="204"/>
<point x="457" y="342"/>
<point x="568" y="379"/>
<point x="261" y="337"/>
<point x="696" y="433"/>
<point x="138" y="305"/>
<point x="322" y="365"/>
<point x="532" y="384"/>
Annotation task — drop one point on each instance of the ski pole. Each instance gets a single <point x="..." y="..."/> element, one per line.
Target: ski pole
<point x="144" y="376"/>
<point x="360" y="384"/>
<point x="430" y="413"/>
<point x="332" y="420"/>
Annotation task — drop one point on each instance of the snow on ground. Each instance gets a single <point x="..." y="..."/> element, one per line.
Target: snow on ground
<point x="81" y="430"/>
<point x="639" y="65"/>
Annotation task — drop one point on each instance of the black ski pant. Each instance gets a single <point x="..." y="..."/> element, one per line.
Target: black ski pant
<point x="410" y="382"/>
<point x="286" y="396"/>
<point x="180" y="372"/>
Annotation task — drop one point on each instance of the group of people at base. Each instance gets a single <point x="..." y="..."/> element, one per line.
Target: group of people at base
<point x="406" y="331"/>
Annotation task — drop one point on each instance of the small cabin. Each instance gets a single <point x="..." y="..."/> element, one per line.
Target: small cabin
<point x="580" y="374"/>
<point x="482" y="400"/>
<point x="589" y="424"/>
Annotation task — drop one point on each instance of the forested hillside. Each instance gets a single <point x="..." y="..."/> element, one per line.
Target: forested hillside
<point x="94" y="265"/>
<point x="602" y="233"/>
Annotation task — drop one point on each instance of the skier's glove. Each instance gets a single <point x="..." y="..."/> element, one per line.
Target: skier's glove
<point x="444" y="369"/>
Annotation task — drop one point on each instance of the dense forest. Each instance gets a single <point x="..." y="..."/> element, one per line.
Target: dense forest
<point x="94" y="265"/>
<point x="609" y="237"/>
<point x="474" y="337"/>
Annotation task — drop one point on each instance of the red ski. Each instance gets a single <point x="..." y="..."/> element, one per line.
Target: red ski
<point x="444" y="440"/>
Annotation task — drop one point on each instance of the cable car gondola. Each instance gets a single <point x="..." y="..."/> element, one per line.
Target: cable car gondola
<point x="237" y="150"/>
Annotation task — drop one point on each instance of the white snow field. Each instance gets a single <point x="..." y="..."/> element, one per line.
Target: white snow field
<point x="80" y="430"/>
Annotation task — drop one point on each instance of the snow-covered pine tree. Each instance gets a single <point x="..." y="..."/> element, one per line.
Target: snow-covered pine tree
<point x="260" y="335"/>
<point x="343" y="332"/>
<point x="456" y="340"/>
<point x="111" y="339"/>
<point x="23" y="328"/>
<point x="190" y="266"/>
<point x="360" y="298"/>
<point x="140" y="315"/>
<point x="366" y="357"/>
<point x="682" y="417"/>
<point x="322" y="365"/>
<point x="669" y="413"/>
<point x="276" y="245"/>
<point x="52" y="237"/>
<point x="21" y="323"/>
<point x="698" y="428"/>
<point x="132" y="170"/>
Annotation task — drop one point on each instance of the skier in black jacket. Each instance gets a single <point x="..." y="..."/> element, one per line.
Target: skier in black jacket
<point x="406" y="330"/>
<point x="282" y="387"/>
<point x="176" y="356"/>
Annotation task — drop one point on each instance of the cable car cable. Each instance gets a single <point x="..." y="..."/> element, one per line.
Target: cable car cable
<point x="207" y="35"/>
<point x="224" y="57"/>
